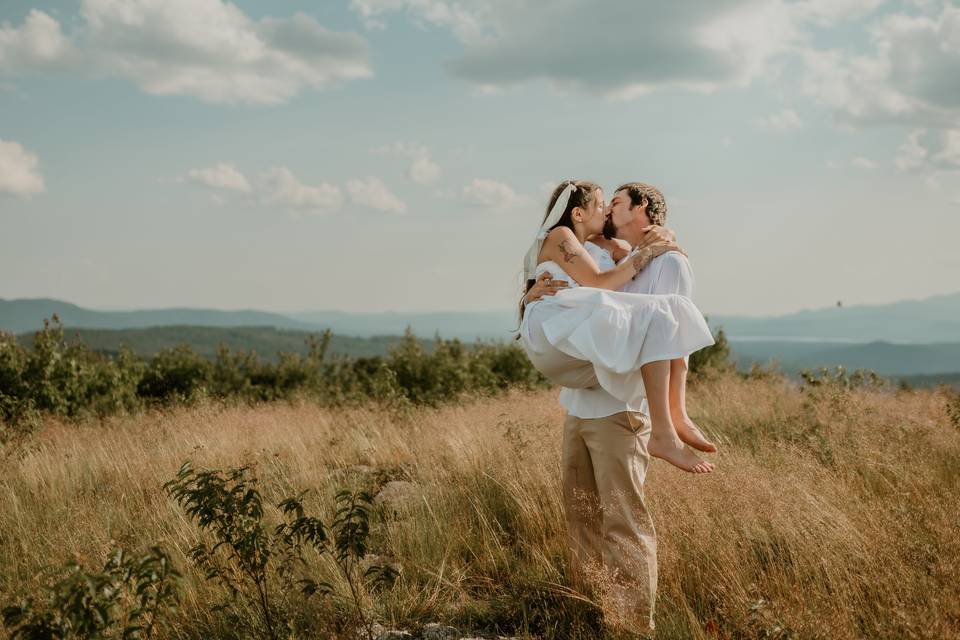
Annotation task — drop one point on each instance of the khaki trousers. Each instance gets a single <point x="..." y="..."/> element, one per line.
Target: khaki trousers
<point x="612" y="540"/>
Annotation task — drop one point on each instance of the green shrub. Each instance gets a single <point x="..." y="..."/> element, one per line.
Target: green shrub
<point x="58" y="378"/>
<point x="953" y="409"/>
<point x="712" y="359"/>
<point x="176" y="375"/>
<point x="63" y="379"/>
<point x="124" y="599"/>
<point x="839" y="377"/>
<point x="265" y="567"/>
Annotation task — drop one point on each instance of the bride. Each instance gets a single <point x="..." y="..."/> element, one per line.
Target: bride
<point x="592" y="334"/>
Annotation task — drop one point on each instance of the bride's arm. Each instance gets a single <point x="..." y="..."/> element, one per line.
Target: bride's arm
<point x="653" y="235"/>
<point x="562" y="247"/>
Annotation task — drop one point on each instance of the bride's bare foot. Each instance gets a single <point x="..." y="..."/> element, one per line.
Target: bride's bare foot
<point x="690" y="433"/>
<point x="676" y="453"/>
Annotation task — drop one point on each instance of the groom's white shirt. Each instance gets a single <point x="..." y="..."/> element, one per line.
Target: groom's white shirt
<point x="669" y="273"/>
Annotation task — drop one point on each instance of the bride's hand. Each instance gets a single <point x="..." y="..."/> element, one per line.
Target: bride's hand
<point x="658" y="240"/>
<point x="544" y="286"/>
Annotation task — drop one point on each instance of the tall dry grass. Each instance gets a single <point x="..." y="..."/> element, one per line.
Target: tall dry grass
<point x="832" y="513"/>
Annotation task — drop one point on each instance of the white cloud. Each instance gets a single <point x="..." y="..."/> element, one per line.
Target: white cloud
<point x="932" y="154"/>
<point x="909" y="77"/>
<point x="38" y="43"/>
<point x="546" y="188"/>
<point x="208" y="49"/>
<point x="422" y="170"/>
<point x="912" y="153"/>
<point x="786" y="120"/>
<point x="626" y="50"/>
<point x="281" y="187"/>
<point x="493" y="194"/>
<point x="930" y="150"/>
<point x="829" y="12"/>
<point x="617" y="47"/>
<point x="372" y="192"/>
<point x="222" y="176"/>
<point x="465" y="23"/>
<point x="19" y="171"/>
<point x="863" y="163"/>
<point x="949" y="153"/>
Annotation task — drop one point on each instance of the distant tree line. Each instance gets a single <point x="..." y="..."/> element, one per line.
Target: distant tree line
<point x="71" y="380"/>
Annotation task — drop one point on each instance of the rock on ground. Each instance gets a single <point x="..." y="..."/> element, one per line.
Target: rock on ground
<point x="395" y="493"/>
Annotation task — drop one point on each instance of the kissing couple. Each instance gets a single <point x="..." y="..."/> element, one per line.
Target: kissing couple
<point x="607" y="315"/>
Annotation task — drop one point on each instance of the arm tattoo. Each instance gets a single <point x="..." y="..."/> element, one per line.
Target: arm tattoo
<point x="640" y="260"/>
<point x="568" y="254"/>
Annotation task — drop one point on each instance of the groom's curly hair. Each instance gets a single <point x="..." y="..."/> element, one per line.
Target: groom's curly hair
<point x="656" y="203"/>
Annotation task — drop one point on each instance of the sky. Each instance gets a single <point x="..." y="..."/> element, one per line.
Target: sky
<point x="374" y="155"/>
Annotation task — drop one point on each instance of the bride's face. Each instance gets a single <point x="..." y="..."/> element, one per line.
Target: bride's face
<point x="594" y="214"/>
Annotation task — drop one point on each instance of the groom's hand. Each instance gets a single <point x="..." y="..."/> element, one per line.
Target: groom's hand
<point x="544" y="286"/>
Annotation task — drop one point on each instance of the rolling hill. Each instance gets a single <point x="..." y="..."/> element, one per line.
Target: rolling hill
<point x="268" y="342"/>
<point x="931" y="320"/>
<point x="935" y="319"/>
<point x="910" y="338"/>
<point x="883" y="357"/>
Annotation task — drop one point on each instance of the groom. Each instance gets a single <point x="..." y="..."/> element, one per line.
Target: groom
<point x="604" y="460"/>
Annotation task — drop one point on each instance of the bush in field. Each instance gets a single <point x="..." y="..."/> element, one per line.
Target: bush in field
<point x="354" y="381"/>
<point x="839" y="377"/>
<point x="953" y="409"/>
<point x="712" y="359"/>
<point x="16" y="407"/>
<point x="64" y="379"/>
<point x="58" y="378"/>
<point x="176" y="374"/>
<point x="266" y="568"/>
<point x="497" y="367"/>
<point x="452" y="369"/>
<point x="124" y="599"/>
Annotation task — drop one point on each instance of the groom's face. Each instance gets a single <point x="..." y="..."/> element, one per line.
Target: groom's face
<point x="621" y="212"/>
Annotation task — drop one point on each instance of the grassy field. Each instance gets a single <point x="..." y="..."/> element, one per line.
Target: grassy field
<point x="832" y="513"/>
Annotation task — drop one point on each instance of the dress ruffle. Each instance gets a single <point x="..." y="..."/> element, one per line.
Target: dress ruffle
<point x="616" y="332"/>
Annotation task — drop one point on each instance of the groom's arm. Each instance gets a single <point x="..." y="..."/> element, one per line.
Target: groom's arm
<point x="544" y="286"/>
<point x="677" y="277"/>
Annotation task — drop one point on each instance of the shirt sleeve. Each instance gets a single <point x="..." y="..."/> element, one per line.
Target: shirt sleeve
<point x="676" y="275"/>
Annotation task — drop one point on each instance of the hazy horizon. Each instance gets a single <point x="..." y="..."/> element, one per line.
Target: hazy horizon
<point x="296" y="312"/>
<point x="395" y="155"/>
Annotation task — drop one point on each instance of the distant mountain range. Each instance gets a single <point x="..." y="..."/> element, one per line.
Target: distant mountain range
<point x="913" y="338"/>
<point x="17" y="316"/>
<point x="931" y="320"/>
<point x="883" y="357"/>
<point x="935" y="319"/>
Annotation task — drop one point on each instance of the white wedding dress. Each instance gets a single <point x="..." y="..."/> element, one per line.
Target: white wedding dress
<point x="584" y="336"/>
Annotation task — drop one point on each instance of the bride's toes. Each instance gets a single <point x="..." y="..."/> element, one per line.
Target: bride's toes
<point x="691" y="434"/>
<point x="673" y="451"/>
